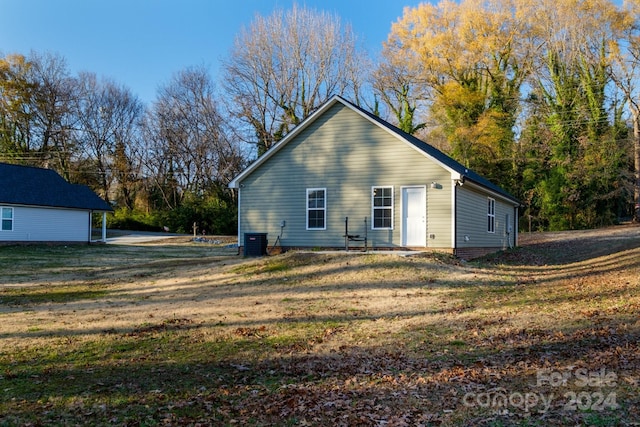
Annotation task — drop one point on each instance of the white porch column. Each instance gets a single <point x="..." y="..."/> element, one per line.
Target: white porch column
<point x="104" y="227"/>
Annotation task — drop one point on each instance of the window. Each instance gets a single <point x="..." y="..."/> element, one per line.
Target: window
<point x="7" y="219"/>
<point x="316" y="208"/>
<point x="382" y="202"/>
<point x="491" y="215"/>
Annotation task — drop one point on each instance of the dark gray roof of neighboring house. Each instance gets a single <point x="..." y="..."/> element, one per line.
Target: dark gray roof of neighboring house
<point x="26" y="185"/>
<point x="435" y="153"/>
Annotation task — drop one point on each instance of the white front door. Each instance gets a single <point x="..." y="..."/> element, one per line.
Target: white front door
<point x="414" y="216"/>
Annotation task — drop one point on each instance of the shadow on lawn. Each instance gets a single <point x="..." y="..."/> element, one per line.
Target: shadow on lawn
<point x="173" y="373"/>
<point x="32" y="296"/>
<point x="354" y="385"/>
<point x="293" y="283"/>
<point x="568" y="247"/>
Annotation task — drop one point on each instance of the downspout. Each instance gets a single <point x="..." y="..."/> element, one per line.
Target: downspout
<point x="90" y="226"/>
<point x="454" y="220"/>
<point x="239" y="211"/>
<point x="516" y="225"/>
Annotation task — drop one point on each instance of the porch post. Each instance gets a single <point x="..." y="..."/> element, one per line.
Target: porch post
<point x="104" y="227"/>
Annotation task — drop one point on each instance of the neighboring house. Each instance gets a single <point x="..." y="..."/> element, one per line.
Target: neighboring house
<point x="38" y="205"/>
<point x="343" y="161"/>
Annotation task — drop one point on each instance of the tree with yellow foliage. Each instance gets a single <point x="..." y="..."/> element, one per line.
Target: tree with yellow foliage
<point x="523" y="92"/>
<point x="473" y="58"/>
<point x="15" y="96"/>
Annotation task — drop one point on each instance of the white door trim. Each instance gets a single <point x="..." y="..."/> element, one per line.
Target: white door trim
<point x="403" y="225"/>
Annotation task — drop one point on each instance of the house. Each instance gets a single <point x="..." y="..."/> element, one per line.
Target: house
<point x="344" y="162"/>
<point x="38" y="205"/>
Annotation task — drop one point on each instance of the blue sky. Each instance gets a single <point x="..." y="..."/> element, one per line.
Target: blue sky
<point x="141" y="43"/>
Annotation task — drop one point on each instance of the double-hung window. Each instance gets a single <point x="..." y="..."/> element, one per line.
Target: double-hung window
<point x="7" y="219"/>
<point x="491" y="215"/>
<point x="316" y="208"/>
<point x="382" y="204"/>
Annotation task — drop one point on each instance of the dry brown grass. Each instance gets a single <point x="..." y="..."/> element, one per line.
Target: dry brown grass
<point x="179" y="333"/>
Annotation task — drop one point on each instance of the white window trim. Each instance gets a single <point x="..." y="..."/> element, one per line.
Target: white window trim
<point x="491" y="216"/>
<point x="306" y="200"/>
<point x="373" y="208"/>
<point x="2" y="219"/>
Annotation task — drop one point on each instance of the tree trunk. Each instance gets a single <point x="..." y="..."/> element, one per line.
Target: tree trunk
<point x="636" y="150"/>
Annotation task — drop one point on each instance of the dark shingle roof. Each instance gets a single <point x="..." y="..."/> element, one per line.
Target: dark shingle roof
<point x="26" y="185"/>
<point x="435" y="153"/>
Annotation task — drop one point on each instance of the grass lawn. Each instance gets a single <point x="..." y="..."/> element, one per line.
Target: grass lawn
<point x="178" y="333"/>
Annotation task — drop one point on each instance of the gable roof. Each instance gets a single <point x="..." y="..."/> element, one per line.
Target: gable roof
<point x="463" y="173"/>
<point x="31" y="186"/>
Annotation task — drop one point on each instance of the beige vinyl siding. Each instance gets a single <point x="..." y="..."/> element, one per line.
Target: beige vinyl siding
<point x="472" y="220"/>
<point x="348" y="155"/>
<point x="439" y="215"/>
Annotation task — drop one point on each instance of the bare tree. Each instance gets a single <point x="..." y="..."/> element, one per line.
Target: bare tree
<point x="51" y="110"/>
<point x="189" y="147"/>
<point x="108" y="115"/>
<point x="285" y="65"/>
<point x="399" y="88"/>
<point x="626" y="74"/>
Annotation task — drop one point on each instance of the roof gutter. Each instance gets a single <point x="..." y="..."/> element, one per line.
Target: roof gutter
<point x="465" y="180"/>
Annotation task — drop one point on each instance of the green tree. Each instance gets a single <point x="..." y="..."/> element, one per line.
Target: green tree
<point x="583" y="181"/>
<point x="627" y="77"/>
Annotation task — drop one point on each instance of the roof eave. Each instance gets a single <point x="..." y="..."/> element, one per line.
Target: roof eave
<point x="505" y="197"/>
<point x="454" y="174"/>
<point x="75" y="208"/>
<point x="235" y="183"/>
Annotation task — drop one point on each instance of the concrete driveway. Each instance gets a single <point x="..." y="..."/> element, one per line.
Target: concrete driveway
<point x="135" y="237"/>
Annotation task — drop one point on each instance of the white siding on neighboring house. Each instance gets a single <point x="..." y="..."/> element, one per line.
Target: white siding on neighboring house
<point x="48" y="225"/>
